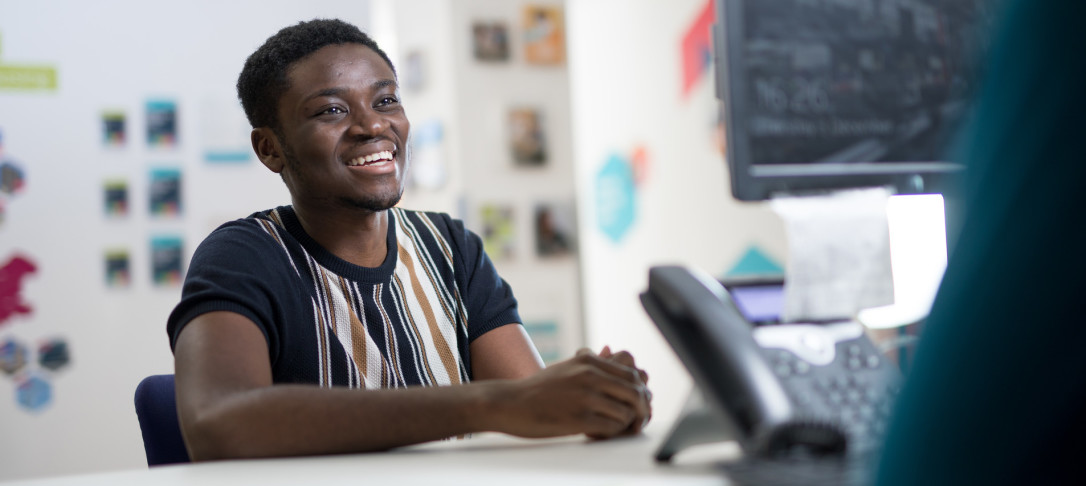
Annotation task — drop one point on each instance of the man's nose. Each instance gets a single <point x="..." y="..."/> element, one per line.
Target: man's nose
<point x="368" y="122"/>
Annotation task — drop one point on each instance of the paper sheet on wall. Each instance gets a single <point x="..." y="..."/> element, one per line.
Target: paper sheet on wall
<point x="838" y="254"/>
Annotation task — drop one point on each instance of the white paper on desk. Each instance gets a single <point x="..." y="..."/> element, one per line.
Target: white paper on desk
<point x="838" y="254"/>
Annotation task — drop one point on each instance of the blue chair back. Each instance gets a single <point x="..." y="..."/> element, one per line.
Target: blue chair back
<point x="156" y="409"/>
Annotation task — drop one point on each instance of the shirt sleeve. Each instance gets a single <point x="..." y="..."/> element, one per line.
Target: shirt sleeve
<point x="233" y="270"/>
<point x="488" y="297"/>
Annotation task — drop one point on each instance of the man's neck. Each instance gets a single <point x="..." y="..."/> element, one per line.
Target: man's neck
<point x="357" y="236"/>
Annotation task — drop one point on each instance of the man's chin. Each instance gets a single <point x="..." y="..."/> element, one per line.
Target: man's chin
<point x="376" y="204"/>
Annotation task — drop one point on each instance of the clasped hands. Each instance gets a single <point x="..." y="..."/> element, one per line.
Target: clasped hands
<point x="600" y="395"/>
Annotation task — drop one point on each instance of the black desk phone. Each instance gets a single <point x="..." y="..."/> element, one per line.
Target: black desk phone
<point x="821" y="388"/>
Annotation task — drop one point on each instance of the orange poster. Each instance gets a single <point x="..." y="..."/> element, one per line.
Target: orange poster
<point x="544" y="35"/>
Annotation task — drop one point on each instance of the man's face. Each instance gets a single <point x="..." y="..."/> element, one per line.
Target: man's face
<point x="343" y="130"/>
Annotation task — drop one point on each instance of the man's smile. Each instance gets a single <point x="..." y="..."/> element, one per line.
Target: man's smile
<point x="378" y="159"/>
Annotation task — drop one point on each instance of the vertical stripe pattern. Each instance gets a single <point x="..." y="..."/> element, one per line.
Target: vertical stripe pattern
<point x="396" y="333"/>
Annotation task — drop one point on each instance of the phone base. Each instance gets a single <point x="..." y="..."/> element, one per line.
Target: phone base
<point x="697" y="424"/>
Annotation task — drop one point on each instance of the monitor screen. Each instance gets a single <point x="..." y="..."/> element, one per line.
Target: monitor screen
<point x="831" y="94"/>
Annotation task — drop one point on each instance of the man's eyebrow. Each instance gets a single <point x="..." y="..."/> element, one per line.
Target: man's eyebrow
<point x="337" y="91"/>
<point x="327" y="92"/>
<point x="384" y="83"/>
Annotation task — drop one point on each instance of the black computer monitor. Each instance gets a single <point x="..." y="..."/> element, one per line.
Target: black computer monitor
<point x="822" y="95"/>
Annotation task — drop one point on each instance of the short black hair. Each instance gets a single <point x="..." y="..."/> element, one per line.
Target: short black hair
<point x="264" y="78"/>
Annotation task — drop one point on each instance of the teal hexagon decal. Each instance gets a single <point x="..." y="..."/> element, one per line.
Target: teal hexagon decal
<point x="616" y="204"/>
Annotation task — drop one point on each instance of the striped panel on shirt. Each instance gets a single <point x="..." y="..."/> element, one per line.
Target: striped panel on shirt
<point x="418" y="313"/>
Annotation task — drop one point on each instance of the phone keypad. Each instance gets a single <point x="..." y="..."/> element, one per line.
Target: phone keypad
<point x="856" y="390"/>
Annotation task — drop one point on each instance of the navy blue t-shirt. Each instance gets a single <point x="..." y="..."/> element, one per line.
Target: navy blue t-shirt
<point x="328" y="322"/>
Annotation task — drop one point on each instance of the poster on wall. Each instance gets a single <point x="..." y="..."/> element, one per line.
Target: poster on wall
<point x="490" y="41"/>
<point x="527" y="138"/>
<point x="166" y="261"/>
<point x="113" y="128"/>
<point x="118" y="273"/>
<point x="499" y="231"/>
<point x="555" y="229"/>
<point x="161" y="123"/>
<point x="115" y="192"/>
<point x="225" y="132"/>
<point x="165" y="192"/>
<point x="544" y="35"/>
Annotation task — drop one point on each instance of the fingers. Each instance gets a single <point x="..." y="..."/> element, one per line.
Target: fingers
<point x="622" y="386"/>
<point x="622" y="357"/>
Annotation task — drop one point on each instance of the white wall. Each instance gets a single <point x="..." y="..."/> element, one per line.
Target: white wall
<point x="626" y="90"/>
<point x="116" y="55"/>
<point x="472" y="99"/>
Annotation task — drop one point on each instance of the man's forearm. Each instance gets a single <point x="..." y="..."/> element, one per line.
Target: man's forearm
<point x="290" y="420"/>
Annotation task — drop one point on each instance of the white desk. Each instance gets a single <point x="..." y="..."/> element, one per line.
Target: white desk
<point x="478" y="461"/>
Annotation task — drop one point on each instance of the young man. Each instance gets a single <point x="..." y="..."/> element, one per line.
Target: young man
<point x="343" y="324"/>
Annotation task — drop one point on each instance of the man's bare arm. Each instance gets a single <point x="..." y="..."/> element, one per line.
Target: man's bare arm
<point x="229" y="409"/>
<point x="506" y="352"/>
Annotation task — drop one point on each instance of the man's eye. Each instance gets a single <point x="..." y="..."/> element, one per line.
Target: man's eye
<point x="387" y="100"/>
<point x="334" y="110"/>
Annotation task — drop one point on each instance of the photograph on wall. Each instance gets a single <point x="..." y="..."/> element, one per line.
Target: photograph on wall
<point x="166" y="261"/>
<point x="490" y="41"/>
<point x="544" y="334"/>
<point x="544" y="35"/>
<point x="113" y="128"/>
<point x="498" y="230"/>
<point x="165" y="192"/>
<point x="555" y="229"/>
<point x="118" y="270"/>
<point x="116" y="198"/>
<point x="161" y="123"/>
<point x="527" y="138"/>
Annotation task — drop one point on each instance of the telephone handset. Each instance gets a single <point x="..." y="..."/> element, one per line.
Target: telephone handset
<point x="824" y="388"/>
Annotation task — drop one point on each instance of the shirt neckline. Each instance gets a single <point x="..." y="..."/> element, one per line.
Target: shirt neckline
<point x="337" y="265"/>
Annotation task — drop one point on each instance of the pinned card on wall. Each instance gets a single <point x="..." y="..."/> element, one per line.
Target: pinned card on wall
<point x="498" y="228"/>
<point x="162" y="123"/>
<point x="544" y="35"/>
<point x="165" y="192"/>
<point x="527" y="137"/>
<point x="115" y="192"/>
<point x="117" y="268"/>
<point x="555" y="229"/>
<point x="490" y="41"/>
<point x="166" y="261"/>
<point x="225" y="132"/>
<point x="114" y="128"/>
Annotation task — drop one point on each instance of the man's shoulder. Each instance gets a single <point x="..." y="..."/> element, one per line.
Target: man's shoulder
<point x="260" y="225"/>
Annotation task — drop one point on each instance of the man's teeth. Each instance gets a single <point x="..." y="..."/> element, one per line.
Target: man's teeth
<point x="384" y="155"/>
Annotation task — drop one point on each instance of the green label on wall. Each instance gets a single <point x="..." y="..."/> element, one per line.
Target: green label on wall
<point x="13" y="77"/>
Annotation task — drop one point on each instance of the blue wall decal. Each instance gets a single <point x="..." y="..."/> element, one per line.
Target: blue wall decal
<point x="754" y="263"/>
<point x="616" y="206"/>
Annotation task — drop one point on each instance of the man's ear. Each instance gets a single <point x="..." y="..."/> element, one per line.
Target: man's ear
<point x="267" y="148"/>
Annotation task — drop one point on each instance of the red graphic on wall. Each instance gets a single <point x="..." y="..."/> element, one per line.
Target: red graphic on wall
<point x="11" y="281"/>
<point x="697" y="47"/>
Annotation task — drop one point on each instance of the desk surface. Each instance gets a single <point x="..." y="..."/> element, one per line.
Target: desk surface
<point x="479" y="460"/>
